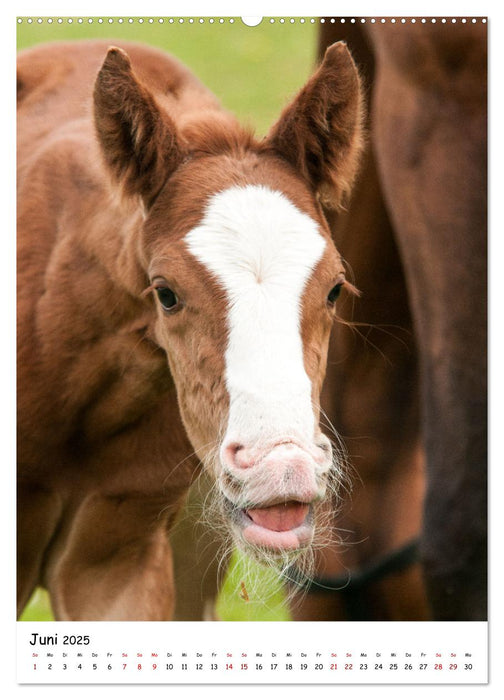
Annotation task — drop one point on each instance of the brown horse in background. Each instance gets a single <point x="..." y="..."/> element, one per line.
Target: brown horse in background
<point x="412" y="390"/>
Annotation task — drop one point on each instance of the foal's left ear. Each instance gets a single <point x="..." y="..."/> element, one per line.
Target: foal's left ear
<point x="320" y="132"/>
<point x="139" y="142"/>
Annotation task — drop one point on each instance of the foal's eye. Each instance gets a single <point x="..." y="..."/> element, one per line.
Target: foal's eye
<point x="168" y="299"/>
<point x="334" y="293"/>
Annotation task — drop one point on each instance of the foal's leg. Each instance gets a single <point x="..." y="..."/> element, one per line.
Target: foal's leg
<point x="430" y="119"/>
<point x="199" y="560"/>
<point x="114" y="562"/>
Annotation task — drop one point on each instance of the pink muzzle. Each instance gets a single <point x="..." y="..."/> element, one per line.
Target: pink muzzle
<point x="277" y="489"/>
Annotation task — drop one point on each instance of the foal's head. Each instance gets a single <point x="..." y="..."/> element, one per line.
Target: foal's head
<point x="244" y="279"/>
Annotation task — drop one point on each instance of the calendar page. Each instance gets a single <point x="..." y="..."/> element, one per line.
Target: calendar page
<point x="252" y="350"/>
<point x="230" y="652"/>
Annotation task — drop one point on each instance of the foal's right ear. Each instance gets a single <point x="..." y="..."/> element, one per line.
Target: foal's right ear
<point x="139" y="142"/>
<point x="320" y="132"/>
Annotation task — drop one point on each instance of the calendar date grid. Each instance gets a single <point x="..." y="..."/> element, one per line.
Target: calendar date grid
<point x="243" y="661"/>
<point x="169" y="657"/>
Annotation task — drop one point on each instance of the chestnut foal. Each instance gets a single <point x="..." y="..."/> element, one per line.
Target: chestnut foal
<point x="177" y="288"/>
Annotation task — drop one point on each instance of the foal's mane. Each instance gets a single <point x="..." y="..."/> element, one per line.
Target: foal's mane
<point x="212" y="133"/>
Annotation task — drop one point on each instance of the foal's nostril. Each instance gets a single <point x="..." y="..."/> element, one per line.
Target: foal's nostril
<point x="235" y="456"/>
<point x="324" y="444"/>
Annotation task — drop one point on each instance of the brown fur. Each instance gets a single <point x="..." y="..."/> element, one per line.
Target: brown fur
<point x="115" y="397"/>
<point x="438" y="189"/>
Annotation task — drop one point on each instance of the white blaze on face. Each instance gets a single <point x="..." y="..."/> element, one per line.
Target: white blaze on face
<point x="262" y="249"/>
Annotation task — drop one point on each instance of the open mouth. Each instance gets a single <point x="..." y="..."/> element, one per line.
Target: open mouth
<point x="278" y="527"/>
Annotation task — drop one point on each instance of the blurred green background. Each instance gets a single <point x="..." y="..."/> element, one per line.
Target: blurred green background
<point x="254" y="71"/>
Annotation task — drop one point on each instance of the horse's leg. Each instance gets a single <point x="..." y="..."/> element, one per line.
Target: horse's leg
<point x="370" y="396"/>
<point x="113" y="561"/>
<point x="430" y="136"/>
<point x="38" y="513"/>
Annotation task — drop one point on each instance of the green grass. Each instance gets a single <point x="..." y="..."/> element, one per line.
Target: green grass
<point x="263" y="598"/>
<point x="39" y="608"/>
<point x="254" y="71"/>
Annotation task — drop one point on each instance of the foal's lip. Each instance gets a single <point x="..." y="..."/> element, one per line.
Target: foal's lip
<point x="278" y="527"/>
<point x="280" y="517"/>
